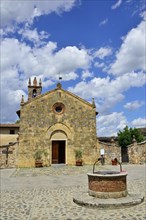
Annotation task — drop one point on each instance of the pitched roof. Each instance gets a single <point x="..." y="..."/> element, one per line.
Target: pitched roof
<point x="9" y="125"/>
<point x="107" y="139"/>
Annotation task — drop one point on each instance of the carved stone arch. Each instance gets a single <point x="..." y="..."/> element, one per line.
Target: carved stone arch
<point x="58" y="135"/>
<point x="59" y="127"/>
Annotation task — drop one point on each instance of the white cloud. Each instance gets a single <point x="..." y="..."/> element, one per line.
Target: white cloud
<point x="70" y="58"/>
<point x="103" y="52"/>
<point x="107" y="92"/>
<point x="103" y="22"/>
<point x="109" y="125"/>
<point x="34" y="36"/>
<point x="139" y="8"/>
<point x="143" y="14"/>
<point x="139" y="122"/>
<point x="99" y="65"/>
<point x="22" y="11"/>
<point x="131" y="55"/>
<point x="21" y="58"/>
<point x="87" y="74"/>
<point x="10" y="103"/>
<point x="68" y="76"/>
<point x="20" y="61"/>
<point x="133" y="105"/>
<point x="117" y="4"/>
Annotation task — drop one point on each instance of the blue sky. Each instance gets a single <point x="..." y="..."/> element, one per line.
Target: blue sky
<point x="97" y="46"/>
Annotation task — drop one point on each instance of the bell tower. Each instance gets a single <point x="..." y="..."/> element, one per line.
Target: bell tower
<point x="34" y="89"/>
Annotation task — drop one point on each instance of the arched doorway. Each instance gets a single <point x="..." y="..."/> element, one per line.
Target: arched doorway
<point x="58" y="142"/>
<point x="58" y="152"/>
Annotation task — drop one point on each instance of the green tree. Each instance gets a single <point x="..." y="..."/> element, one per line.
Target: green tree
<point x="137" y="134"/>
<point x="18" y="121"/>
<point x="126" y="136"/>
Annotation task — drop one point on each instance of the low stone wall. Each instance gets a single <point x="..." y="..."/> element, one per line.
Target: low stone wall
<point x="10" y="160"/>
<point x="137" y="153"/>
<point x="111" y="151"/>
<point x="9" y="141"/>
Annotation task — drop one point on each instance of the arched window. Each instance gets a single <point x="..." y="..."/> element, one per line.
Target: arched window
<point x="34" y="93"/>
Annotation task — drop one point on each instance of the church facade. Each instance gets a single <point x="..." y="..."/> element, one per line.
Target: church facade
<point x="58" y="123"/>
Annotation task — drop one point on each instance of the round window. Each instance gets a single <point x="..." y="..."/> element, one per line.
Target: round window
<point x="58" y="108"/>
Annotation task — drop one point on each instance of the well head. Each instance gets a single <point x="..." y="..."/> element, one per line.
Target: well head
<point x="107" y="172"/>
<point x="107" y="184"/>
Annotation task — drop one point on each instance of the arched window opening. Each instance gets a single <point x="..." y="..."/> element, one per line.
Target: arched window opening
<point x="34" y="94"/>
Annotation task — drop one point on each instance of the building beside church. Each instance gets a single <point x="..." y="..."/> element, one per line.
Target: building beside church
<point x="57" y="122"/>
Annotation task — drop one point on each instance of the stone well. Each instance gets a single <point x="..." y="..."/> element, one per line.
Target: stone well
<point x="107" y="184"/>
<point x="107" y="189"/>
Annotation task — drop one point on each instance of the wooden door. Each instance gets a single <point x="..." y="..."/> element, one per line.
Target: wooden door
<point x="62" y="152"/>
<point x="55" y="152"/>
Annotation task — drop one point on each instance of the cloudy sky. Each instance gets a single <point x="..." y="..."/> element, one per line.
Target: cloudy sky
<point x="98" y="47"/>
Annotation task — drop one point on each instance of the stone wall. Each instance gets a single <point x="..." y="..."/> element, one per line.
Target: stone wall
<point x="111" y="150"/>
<point x="11" y="161"/>
<point x="5" y="140"/>
<point x="137" y="152"/>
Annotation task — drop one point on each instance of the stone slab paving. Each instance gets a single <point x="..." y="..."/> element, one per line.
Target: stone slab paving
<point x="47" y="194"/>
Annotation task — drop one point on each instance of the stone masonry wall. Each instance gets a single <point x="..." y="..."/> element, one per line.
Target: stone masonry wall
<point x="112" y="150"/>
<point x="12" y="157"/>
<point x="6" y="139"/>
<point x="137" y="152"/>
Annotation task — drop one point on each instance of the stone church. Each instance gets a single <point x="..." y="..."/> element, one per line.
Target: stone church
<point x="57" y="122"/>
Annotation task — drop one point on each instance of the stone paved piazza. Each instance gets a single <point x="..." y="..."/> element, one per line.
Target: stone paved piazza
<point x="47" y="194"/>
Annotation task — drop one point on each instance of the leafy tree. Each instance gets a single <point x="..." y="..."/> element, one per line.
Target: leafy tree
<point x="126" y="136"/>
<point x="18" y="121"/>
<point x="137" y="134"/>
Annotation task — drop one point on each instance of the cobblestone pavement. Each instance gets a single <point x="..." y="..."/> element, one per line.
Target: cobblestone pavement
<point x="47" y="194"/>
